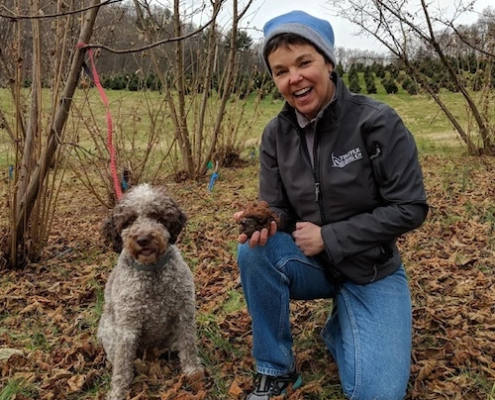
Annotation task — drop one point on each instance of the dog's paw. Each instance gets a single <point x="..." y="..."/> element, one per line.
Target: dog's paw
<point x="114" y="396"/>
<point x="196" y="379"/>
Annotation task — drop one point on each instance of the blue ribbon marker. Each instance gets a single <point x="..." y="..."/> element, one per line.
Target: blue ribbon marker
<point x="124" y="184"/>
<point x="11" y="172"/>
<point x="213" y="178"/>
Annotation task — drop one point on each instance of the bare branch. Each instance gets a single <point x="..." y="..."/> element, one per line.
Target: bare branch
<point x="391" y="24"/>
<point x="469" y="43"/>
<point x="243" y="12"/>
<point x="5" y="125"/>
<point x="15" y="17"/>
<point x="155" y="44"/>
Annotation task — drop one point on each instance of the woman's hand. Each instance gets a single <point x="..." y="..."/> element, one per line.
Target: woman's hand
<point x="258" y="238"/>
<point x="308" y="238"/>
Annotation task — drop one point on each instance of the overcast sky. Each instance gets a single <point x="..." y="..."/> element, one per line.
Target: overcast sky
<point x="346" y="34"/>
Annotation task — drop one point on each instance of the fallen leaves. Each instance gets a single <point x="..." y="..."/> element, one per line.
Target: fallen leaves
<point x="49" y="311"/>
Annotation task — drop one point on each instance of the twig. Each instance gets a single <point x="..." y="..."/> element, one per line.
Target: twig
<point x="155" y="44"/>
<point x="16" y="17"/>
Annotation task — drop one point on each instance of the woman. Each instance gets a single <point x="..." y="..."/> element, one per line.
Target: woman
<point x="342" y="173"/>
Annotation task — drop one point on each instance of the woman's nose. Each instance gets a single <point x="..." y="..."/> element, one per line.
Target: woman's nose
<point x="295" y="76"/>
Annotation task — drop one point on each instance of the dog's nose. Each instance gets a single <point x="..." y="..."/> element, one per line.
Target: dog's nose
<point x="143" y="240"/>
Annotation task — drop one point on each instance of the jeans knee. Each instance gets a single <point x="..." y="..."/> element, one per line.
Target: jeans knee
<point x="381" y="389"/>
<point x="249" y="258"/>
<point x="253" y="259"/>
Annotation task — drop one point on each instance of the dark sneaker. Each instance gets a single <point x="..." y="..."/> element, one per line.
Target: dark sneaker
<point x="268" y="386"/>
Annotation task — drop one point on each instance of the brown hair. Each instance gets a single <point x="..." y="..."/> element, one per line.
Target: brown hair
<point x="286" y="40"/>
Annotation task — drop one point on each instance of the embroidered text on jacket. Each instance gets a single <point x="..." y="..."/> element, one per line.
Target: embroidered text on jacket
<point x="349" y="157"/>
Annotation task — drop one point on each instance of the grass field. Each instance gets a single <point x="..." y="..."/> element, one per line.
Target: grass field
<point x="136" y="114"/>
<point x="49" y="311"/>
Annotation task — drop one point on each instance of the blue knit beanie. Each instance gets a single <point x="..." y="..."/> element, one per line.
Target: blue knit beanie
<point x="317" y="31"/>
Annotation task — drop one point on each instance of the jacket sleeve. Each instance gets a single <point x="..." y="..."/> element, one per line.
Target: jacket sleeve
<point x="397" y="172"/>
<point x="271" y="187"/>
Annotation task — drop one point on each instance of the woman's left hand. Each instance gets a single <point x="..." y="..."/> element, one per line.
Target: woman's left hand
<point x="308" y="238"/>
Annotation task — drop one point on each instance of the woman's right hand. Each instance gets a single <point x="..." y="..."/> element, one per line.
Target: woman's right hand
<point x="258" y="238"/>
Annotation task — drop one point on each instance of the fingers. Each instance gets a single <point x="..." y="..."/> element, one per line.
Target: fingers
<point x="242" y="238"/>
<point x="254" y="240"/>
<point x="258" y="238"/>
<point x="263" y="237"/>
<point x="301" y="225"/>
<point x="238" y="215"/>
<point x="273" y="228"/>
<point x="307" y="237"/>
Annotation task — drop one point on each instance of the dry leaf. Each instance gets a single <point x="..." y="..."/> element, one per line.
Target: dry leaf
<point x="235" y="390"/>
<point x="427" y="368"/>
<point x="76" y="383"/>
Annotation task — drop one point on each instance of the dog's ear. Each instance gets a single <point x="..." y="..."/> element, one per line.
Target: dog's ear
<point x="176" y="222"/>
<point x="111" y="234"/>
<point x="170" y="214"/>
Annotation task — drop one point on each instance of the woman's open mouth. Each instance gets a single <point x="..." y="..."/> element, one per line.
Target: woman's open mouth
<point x="303" y="92"/>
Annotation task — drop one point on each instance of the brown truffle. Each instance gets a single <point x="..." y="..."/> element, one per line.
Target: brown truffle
<point x="257" y="216"/>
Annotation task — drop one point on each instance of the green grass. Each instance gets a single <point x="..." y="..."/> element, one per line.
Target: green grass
<point x="16" y="387"/>
<point x="235" y="302"/>
<point x="135" y="114"/>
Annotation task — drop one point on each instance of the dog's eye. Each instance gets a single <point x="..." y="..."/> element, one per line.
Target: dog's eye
<point x="158" y="218"/>
<point x="154" y="216"/>
<point x="127" y="223"/>
<point x="162" y="221"/>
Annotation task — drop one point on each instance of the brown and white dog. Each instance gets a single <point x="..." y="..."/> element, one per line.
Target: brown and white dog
<point x="149" y="296"/>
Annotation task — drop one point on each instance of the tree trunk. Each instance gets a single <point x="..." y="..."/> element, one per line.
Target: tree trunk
<point x="27" y="199"/>
<point x="183" y="133"/>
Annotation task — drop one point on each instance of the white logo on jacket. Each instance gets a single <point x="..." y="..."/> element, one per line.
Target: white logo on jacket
<point x="349" y="157"/>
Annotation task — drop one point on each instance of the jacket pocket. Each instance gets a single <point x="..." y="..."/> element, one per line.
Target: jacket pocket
<point x="376" y="158"/>
<point x="365" y="267"/>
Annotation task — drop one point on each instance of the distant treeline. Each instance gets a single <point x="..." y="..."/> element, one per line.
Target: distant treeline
<point x="470" y="71"/>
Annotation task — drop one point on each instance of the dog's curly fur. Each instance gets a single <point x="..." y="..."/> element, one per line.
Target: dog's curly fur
<point x="146" y="308"/>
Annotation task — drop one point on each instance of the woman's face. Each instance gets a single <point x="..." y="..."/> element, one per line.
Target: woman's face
<point x="302" y="76"/>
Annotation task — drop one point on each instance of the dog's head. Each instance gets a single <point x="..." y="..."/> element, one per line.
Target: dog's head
<point x="144" y="221"/>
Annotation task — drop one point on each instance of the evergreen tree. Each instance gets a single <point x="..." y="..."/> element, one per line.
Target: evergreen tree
<point x="354" y="85"/>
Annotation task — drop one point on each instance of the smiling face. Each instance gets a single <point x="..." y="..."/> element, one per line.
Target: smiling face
<point x="302" y="76"/>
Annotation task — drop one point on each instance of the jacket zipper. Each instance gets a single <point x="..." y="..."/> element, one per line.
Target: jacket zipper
<point x="315" y="167"/>
<point x="317" y="191"/>
<point x="316" y="174"/>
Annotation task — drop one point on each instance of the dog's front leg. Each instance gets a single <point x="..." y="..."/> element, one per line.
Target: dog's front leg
<point x="125" y="347"/>
<point x="186" y="344"/>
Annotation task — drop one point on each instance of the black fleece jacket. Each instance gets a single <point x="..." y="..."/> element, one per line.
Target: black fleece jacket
<point x="365" y="189"/>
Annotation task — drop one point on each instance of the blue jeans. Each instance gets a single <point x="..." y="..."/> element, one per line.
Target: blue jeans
<point x="369" y="333"/>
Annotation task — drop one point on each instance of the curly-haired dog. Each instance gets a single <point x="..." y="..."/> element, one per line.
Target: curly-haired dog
<point x="149" y="296"/>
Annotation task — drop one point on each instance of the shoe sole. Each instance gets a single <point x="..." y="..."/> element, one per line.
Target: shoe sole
<point x="296" y="385"/>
